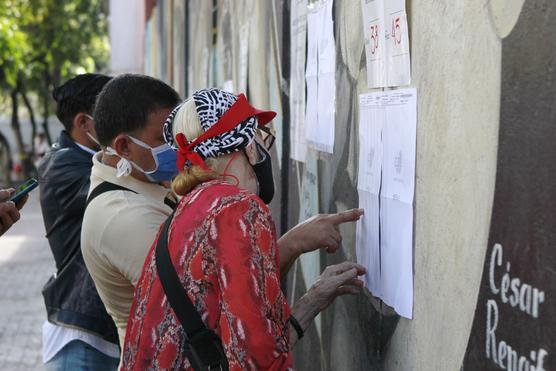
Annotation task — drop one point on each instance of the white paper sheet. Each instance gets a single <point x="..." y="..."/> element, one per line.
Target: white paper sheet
<point x="396" y="252"/>
<point x="298" y="27"/>
<point x="243" y="57"/>
<point x="387" y="131"/>
<point x="367" y="244"/>
<point x="321" y="62"/>
<point x="386" y="43"/>
<point x="228" y="86"/>
<point x="371" y="120"/>
<point x="397" y="40"/>
<point x="373" y="23"/>
<point x="399" y="139"/>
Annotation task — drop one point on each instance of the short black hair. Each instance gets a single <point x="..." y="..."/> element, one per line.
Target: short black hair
<point x="125" y="102"/>
<point x="76" y="95"/>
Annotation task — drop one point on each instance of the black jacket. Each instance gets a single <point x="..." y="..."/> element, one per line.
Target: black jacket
<point x="70" y="295"/>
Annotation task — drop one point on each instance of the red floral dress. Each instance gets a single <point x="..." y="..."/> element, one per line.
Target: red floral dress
<point x="223" y="246"/>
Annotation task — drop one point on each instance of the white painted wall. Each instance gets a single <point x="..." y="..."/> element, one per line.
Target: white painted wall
<point x="127" y="36"/>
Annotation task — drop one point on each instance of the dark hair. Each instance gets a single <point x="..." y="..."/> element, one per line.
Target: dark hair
<point x="77" y="95"/>
<point x="124" y="104"/>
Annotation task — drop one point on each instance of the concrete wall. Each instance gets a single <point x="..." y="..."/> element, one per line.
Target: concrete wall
<point x="456" y="67"/>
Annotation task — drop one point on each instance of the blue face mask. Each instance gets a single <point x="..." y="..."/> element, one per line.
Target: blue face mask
<point x="165" y="162"/>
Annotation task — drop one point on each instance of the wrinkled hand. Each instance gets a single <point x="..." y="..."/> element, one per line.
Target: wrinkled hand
<point x="320" y="231"/>
<point x="9" y="213"/>
<point x="336" y="280"/>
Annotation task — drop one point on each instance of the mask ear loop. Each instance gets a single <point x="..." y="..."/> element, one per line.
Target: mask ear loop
<point x="225" y="174"/>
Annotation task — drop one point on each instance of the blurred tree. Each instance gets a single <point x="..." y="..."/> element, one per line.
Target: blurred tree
<point x="44" y="42"/>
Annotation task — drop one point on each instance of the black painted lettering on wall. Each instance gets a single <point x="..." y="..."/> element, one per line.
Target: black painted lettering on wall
<point x="515" y="319"/>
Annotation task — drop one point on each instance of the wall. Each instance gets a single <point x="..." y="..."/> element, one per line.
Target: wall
<point x="456" y="67"/>
<point x="127" y="27"/>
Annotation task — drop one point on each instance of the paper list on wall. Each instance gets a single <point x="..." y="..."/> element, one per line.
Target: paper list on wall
<point x="368" y="186"/>
<point x="386" y="43"/>
<point x="320" y="78"/>
<point x="298" y="26"/>
<point x="384" y="242"/>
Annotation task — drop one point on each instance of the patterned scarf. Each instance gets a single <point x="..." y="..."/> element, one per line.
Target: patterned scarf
<point x="211" y="104"/>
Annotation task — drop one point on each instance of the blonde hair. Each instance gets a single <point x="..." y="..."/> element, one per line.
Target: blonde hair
<point x="187" y="122"/>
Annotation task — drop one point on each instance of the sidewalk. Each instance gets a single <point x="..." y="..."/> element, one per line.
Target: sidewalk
<point x="25" y="265"/>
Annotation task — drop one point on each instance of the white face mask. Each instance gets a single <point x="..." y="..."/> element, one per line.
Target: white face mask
<point x="91" y="136"/>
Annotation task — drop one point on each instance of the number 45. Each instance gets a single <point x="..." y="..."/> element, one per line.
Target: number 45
<point x="396" y="31"/>
<point x="374" y="38"/>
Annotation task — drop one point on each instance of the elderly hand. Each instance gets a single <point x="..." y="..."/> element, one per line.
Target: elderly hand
<point x="336" y="280"/>
<point x="319" y="231"/>
<point x="9" y="213"/>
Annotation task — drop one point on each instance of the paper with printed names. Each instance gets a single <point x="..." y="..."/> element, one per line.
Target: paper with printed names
<point x="320" y="77"/>
<point x="386" y="43"/>
<point x="384" y="236"/>
<point x="298" y="29"/>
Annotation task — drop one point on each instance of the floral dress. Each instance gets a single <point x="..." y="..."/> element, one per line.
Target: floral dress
<point x="222" y="242"/>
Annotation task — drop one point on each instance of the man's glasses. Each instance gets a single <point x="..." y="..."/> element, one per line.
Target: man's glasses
<point x="268" y="136"/>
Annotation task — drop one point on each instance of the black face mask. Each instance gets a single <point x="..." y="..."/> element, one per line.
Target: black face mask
<point x="263" y="171"/>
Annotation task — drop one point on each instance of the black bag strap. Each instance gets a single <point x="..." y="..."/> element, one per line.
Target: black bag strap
<point x="203" y="347"/>
<point x="103" y="188"/>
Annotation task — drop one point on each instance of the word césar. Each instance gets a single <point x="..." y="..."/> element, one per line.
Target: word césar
<point x="521" y="296"/>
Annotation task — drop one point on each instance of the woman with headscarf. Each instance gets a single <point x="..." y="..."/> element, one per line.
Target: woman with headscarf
<point x="223" y="246"/>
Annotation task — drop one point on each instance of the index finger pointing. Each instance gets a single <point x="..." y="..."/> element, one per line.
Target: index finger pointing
<point x="347" y="216"/>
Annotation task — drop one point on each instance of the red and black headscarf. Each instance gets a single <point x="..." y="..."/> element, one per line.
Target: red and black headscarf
<point x="229" y="123"/>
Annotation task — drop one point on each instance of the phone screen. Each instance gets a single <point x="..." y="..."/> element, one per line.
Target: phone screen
<point x="23" y="189"/>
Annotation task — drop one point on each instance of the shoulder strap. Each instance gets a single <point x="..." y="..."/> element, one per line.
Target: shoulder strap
<point x="203" y="347"/>
<point x="103" y="188"/>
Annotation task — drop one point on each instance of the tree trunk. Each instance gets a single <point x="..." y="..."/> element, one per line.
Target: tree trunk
<point x="15" y="122"/>
<point x="26" y="162"/>
<point x="45" y="106"/>
<point x="45" y="126"/>
<point x="31" y="115"/>
<point x="5" y="161"/>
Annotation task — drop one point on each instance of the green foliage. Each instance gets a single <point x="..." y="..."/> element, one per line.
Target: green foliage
<point x="48" y="41"/>
<point x="13" y="46"/>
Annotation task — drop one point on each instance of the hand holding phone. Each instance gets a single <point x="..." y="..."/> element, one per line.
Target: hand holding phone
<point x="22" y="191"/>
<point x="9" y="214"/>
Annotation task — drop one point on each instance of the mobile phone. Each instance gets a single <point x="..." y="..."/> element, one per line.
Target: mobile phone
<point x="23" y="189"/>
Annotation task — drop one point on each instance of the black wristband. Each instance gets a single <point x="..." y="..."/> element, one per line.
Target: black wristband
<point x="296" y="327"/>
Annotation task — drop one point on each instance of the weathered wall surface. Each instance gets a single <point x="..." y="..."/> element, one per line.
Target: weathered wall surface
<point x="456" y="68"/>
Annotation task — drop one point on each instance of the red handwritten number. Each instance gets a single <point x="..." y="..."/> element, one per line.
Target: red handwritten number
<point x="396" y="31"/>
<point x="374" y="38"/>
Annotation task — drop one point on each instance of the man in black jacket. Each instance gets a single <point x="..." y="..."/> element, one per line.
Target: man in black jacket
<point x="79" y="333"/>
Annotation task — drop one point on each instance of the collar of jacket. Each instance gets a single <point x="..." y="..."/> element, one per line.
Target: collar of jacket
<point x="66" y="141"/>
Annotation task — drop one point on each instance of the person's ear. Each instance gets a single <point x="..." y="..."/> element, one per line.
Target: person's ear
<point x="121" y="146"/>
<point x="252" y="153"/>
<point x="80" y="122"/>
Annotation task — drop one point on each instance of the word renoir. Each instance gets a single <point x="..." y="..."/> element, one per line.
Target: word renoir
<point x="517" y="294"/>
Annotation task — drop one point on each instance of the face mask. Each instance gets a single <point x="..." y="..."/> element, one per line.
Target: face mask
<point x="91" y="137"/>
<point x="164" y="157"/>
<point x="263" y="171"/>
<point x="165" y="162"/>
